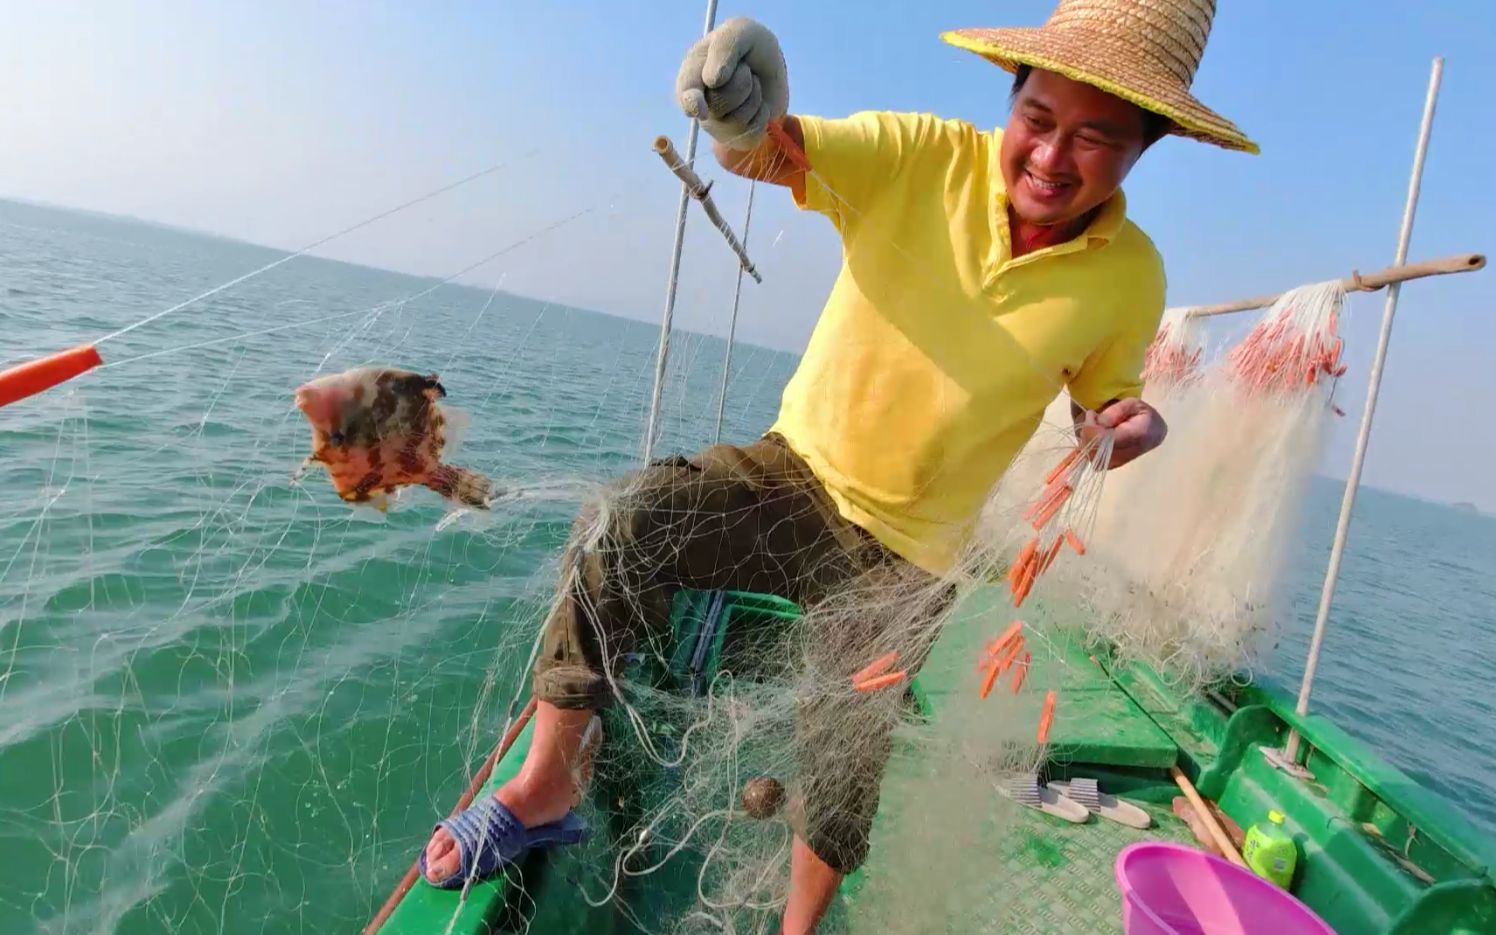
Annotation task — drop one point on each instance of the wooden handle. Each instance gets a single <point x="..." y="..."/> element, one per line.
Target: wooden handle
<point x="479" y="778"/>
<point x="702" y="193"/>
<point x="1217" y="833"/>
<point x="1443" y="266"/>
<point x="677" y="165"/>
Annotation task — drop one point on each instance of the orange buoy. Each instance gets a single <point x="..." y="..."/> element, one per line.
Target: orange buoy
<point x="34" y="376"/>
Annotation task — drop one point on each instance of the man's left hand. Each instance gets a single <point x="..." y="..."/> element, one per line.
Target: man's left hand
<point x="1136" y="426"/>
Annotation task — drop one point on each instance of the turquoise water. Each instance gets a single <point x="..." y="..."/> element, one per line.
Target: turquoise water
<point x="231" y="704"/>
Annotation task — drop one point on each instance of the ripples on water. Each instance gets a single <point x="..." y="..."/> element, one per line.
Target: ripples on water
<point x="231" y="704"/>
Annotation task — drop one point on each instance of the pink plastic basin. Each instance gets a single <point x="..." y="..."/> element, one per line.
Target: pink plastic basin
<point x="1169" y="889"/>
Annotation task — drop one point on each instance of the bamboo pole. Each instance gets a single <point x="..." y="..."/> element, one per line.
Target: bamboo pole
<point x="732" y="325"/>
<point x="479" y="778"/>
<point x="702" y="192"/>
<point x="1217" y="833"/>
<point x="1370" y="282"/>
<point x="1363" y="438"/>
<point x="662" y="353"/>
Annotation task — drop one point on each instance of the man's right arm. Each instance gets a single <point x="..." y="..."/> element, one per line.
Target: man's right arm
<point x="735" y="82"/>
<point x="767" y="162"/>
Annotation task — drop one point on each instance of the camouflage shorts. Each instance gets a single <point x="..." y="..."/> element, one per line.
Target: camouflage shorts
<point x="750" y="518"/>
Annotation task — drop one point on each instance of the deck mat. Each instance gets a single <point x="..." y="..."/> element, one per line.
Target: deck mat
<point x="1060" y="878"/>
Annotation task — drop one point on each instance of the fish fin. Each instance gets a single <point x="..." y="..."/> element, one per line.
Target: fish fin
<point x="300" y="472"/>
<point x="380" y="500"/>
<point x="466" y="487"/>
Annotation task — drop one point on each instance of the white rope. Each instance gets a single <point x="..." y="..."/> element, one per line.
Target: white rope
<point x="374" y="310"/>
<point x="302" y="252"/>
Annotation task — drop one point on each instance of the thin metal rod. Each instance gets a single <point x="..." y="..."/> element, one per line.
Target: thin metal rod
<point x="1356" y="282"/>
<point x="1353" y="482"/>
<point x="662" y="354"/>
<point x="732" y="325"/>
<point x="702" y="192"/>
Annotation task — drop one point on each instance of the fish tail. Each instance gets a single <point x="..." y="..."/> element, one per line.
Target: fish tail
<point x="466" y="487"/>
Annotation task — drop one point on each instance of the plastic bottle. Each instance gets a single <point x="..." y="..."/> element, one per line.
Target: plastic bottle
<point x="1270" y="850"/>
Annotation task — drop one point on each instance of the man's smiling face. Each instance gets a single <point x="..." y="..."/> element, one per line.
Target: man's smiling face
<point x="1067" y="147"/>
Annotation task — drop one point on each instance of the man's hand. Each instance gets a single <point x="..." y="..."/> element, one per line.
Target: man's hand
<point x="733" y="80"/>
<point x="1137" y="428"/>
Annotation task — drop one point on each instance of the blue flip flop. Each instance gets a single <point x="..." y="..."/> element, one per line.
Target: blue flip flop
<point x="502" y="838"/>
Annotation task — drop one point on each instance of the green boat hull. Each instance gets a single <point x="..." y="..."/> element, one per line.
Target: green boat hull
<point x="1378" y="853"/>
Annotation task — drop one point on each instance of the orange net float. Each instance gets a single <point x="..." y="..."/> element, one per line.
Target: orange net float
<point x="1046" y="717"/>
<point x="992" y="673"/>
<point x="875" y="668"/>
<point x="1009" y="655"/>
<point x="881" y="682"/>
<point x="1021" y="670"/>
<point x="1004" y="639"/>
<point x="34" y="376"/>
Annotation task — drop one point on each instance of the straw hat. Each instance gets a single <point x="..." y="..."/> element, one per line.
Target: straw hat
<point x="1144" y="51"/>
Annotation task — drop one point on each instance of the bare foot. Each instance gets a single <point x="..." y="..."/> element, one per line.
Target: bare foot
<point x="533" y="804"/>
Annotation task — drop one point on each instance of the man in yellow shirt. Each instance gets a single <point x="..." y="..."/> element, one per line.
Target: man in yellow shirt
<point x="983" y="272"/>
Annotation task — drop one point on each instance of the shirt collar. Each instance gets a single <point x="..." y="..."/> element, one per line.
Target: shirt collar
<point x="1108" y="221"/>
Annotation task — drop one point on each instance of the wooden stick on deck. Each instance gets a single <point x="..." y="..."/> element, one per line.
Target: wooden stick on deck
<point x="702" y="192"/>
<point x="1217" y="833"/>
<point x="479" y="778"/>
<point x="1459" y="263"/>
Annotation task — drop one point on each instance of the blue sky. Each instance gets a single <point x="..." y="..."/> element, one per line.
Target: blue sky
<point x="278" y="123"/>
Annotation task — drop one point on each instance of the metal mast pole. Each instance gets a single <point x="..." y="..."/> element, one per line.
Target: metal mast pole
<point x="663" y="352"/>
<point x="1353" y="482"/>
<point x="732" y="328"/>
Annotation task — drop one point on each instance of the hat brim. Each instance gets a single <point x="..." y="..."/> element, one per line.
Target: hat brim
<point x="1097" y="59"/>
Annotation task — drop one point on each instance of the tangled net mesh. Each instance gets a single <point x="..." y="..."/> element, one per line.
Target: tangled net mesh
<point x="242" y="705"/>
<point x="801" y="713"/>
<point x="1189" y="553"/>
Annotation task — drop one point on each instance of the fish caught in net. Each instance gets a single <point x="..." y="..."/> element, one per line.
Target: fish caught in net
<point x="377" y="430"/>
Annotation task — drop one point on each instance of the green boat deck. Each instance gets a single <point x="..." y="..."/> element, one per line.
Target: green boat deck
<point x="1378" y="854"/>
<point x="1050" y="876"/>
<point x="1097" y="721"/>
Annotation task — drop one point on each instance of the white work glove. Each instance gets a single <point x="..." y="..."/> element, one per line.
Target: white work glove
<point x="733" y="80"/>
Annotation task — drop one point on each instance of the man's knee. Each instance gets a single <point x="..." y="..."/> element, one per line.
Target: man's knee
<point x="841" y="842"/>
<point x="835" y="819"/>
<point x="571" y="686"/>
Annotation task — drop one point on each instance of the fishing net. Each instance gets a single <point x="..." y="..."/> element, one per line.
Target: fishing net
<point x="242" y="704"/>
<point x="234" y="703"/>
<point x="795" y="731"/>
<point x="1189" y="553"/>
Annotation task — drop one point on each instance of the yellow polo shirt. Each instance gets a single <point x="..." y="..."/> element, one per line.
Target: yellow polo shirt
<point x="937" y="351"/>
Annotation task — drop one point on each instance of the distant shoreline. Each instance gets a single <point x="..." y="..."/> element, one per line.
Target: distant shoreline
<point x="191" y="232"/>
